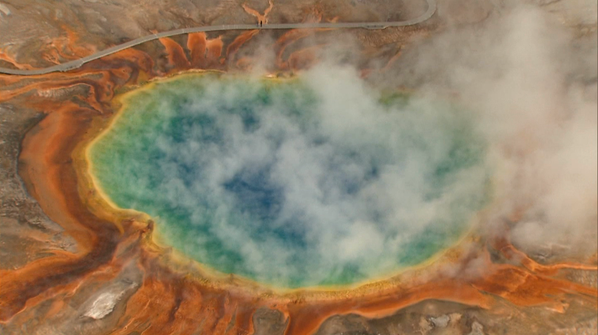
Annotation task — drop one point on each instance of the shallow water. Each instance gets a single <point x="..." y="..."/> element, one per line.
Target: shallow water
<point x="290" y="183"/>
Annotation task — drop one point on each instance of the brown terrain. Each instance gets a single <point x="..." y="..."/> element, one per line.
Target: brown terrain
<point x="71" y="264"/>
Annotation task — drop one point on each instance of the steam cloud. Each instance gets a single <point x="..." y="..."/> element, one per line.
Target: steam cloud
<point x="533" y="83"/>
<point x="532" y="86"/>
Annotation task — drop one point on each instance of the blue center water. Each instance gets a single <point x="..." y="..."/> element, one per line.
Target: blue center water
<point x="294" y="183"/>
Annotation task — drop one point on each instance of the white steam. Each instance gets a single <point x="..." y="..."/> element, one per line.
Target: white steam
<point x="532" y="87"/>
<point x="533" y="83"/>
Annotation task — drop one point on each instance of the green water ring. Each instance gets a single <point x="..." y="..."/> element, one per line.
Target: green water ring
<point x="286" y="184"/>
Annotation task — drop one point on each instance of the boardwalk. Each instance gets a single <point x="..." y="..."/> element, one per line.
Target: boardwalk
<point x="276" y="26"/>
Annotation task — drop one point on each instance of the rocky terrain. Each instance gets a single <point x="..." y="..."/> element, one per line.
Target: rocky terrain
<point x="71" y="265"/>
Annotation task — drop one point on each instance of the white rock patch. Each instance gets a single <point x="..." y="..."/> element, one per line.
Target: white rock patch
<point x="105" y="302"/>
<point x="4" y="9"/>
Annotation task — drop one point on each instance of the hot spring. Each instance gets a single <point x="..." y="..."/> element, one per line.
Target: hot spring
<point x="317" y="180"/>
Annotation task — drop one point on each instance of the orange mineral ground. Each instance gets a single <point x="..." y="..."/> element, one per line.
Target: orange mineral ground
<point x="150" y="289"/>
